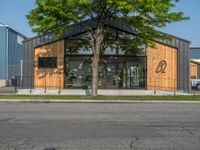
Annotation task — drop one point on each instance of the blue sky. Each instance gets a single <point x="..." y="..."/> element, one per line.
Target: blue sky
<point x="13" y="14"/>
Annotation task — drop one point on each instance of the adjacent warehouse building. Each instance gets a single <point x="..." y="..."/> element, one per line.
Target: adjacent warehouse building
<point x="11" y="54"/>
<point x="194" y="55"/>
<point x="65" y="63"/>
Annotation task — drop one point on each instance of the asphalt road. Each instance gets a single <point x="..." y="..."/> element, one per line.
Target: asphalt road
<point x="99" y="126"/>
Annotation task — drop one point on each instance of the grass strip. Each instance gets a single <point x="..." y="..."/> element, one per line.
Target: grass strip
<point x="64" y="97"/>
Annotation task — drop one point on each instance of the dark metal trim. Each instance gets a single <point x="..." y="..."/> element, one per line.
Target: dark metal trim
<point x="111" y="25"/>
<point x="198" y="71"/>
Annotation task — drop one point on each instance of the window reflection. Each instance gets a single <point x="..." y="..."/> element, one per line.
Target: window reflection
<point x="121" y="65"/>
<point x="121" y="43"/>
<point x="119" y="72"/>
<point x="78" y="45"/>
<point x="78" y="73"/>
<point x="115" y="43"/>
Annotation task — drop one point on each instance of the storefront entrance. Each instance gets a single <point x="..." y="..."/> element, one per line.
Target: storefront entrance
<point x="114" y="73"/>
<point x="120" y="75"/>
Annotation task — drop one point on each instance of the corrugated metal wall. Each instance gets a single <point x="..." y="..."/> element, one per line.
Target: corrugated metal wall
<point x="3" y="45"/>
<point x="14" y="54"/>
<point x="10" y="53"/>
<point x="181" y="44"/>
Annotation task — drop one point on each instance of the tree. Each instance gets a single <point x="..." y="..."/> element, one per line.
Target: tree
<point x="143" y="16"/>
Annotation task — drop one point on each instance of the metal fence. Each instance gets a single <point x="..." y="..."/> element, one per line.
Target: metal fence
<point x="11" y="81"/>
<point x="9" y="74"/>
<point x="195" y="91"/>
<point x="57" y="83"/>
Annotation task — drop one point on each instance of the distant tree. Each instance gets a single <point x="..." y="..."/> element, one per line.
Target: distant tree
<point x="143" y="16"/>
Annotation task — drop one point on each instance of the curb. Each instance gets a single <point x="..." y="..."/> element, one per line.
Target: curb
<point x="94" y="101"/>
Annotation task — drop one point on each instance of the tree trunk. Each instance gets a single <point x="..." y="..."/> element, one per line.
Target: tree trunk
<point x="95" y="64"/>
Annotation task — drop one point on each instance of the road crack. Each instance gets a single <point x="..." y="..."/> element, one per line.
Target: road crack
<point x="133" y="142"/>
<point x="188" y="131"/>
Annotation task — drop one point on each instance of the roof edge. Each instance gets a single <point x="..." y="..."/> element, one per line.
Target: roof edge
<point x="182" y="39"/>
<point x="109" y="24"/>
<point x="195" y="47"/>
<point x="195" y="61"/>
<point x="7" y="26"/>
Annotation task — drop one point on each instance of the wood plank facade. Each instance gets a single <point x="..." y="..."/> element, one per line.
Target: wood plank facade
<point x="49" y="78"/>
<point x="193" y="70"/>
<point x="162" y="67"/>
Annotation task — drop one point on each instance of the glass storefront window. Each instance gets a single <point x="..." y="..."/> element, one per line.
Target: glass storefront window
<point x="120" y="43"/>
<point x="114" y="72"/>
<point x="123" y="73"/>
<point x="120" y="67"/>
<point x="78" y="45"/>
<point x="115" y="43"/>
<point x="47" y="62"/>
<point x="78" y="72"/>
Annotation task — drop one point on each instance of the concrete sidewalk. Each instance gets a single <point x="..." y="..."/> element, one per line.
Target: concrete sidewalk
<point x="137" y="92"/>
<point x="95" y="101"/>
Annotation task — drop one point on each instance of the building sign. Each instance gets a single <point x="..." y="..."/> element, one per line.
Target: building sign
<point x="161" y="67"/>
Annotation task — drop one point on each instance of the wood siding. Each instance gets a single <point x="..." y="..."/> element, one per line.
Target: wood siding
<point x="49" y="78"/>
<point x="162" y="67"/>
<point x="193" y="71"/>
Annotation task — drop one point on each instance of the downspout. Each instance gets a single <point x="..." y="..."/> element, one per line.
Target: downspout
<point x="21" y="69"/>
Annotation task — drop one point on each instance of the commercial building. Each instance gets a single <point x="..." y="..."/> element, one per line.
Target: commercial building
<point x="65" y="63"/>
<point x="194" y="55"/>
<point x="194" y="52"/>
<point x="195" y="69"/>
<point x="11" y="54"/>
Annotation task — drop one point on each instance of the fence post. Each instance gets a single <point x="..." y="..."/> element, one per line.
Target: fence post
<point x="59" y="86"/>
<point x="32" y="85"/>
<point x="154" y="86"/>
<point x="45" y="84"/>
<point x="174" y="87"/>
<point x="194" y="92"/>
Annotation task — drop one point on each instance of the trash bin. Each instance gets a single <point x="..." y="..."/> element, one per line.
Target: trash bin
<point x="14" y="81"/>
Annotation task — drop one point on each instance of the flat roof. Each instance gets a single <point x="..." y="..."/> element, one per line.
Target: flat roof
<point x="197" y="61"/>
<point x="195" y="47"/>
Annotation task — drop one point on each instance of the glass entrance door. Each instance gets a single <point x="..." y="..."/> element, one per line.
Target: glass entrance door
<point x="112" y="76"/>
<point x="120" y="75"/>
<point x="108" y="76"/>
<point x="133" y="76"/>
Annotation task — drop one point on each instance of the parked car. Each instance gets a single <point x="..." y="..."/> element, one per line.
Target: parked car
<point x="195" y="84"/>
